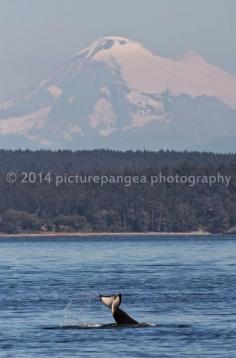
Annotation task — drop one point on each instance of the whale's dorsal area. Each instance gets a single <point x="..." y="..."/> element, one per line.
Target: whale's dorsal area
<point x="113" y="302"/>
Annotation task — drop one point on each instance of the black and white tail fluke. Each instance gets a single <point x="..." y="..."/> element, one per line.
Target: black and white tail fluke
<point x="113" y="302"/>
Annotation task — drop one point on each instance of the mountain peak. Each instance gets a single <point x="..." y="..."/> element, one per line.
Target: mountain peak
<point x="108" y="41"/>
<point x="114" y="91"/>
<point x="108" y="44"/>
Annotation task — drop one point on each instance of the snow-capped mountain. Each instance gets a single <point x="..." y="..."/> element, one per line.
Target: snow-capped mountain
<point x="118" y="94"/>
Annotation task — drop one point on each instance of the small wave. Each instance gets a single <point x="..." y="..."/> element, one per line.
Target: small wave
<point x="99" y="326"/>
<point x="174" y="325"/>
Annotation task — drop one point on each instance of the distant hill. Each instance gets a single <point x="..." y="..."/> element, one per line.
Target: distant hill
<point x="44" y="197"/>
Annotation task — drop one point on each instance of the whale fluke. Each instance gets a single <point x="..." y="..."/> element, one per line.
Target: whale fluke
<point x="113" y="302"/>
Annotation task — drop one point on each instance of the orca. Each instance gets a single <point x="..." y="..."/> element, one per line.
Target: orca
<point x="113" y="302"/>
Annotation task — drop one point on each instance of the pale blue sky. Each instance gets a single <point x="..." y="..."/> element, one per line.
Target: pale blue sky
<point x="38" y="36"/>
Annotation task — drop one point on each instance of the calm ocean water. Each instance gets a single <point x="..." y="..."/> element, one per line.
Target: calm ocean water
<point x="184" y="287"/>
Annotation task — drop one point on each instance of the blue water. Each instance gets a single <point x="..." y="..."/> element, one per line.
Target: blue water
<point x="184" y="288"/>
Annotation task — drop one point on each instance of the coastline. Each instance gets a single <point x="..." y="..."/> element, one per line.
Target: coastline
<point x="53" y="234"/>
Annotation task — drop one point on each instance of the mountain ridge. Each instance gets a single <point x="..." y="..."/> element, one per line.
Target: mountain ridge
<point x="117" y="93"/>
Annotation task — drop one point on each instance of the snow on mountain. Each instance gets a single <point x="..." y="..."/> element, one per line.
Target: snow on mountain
<point x="150" y="73"/>
<point x="116" y="93"/>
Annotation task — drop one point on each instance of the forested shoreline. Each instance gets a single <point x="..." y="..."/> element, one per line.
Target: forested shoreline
<point x="33" y="202"/>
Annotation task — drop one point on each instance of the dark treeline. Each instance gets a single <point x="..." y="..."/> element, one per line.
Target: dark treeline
<point x="40" y="205"/>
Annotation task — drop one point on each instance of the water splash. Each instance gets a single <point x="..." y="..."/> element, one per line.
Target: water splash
<point x="78" y="310"/>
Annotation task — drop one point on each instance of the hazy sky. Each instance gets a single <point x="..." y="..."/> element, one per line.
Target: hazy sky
<point x="38" y="36"/>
